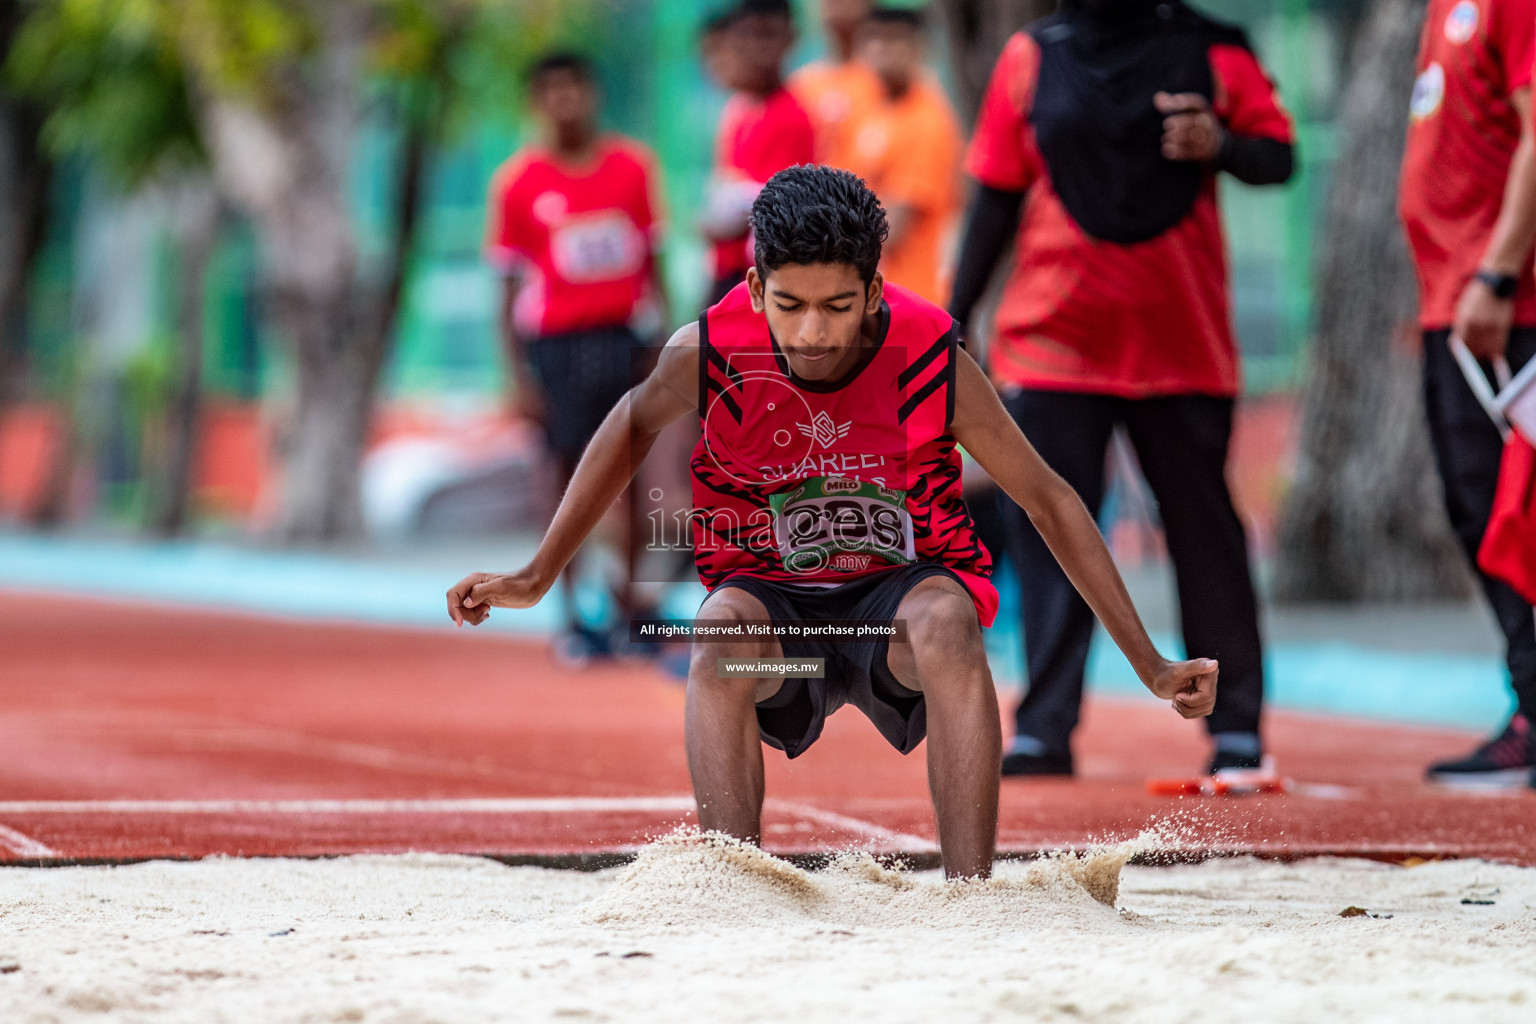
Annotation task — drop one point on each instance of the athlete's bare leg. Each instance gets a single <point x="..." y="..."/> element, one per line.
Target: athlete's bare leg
<point x="725" y="753"/>
<point x="945" y="659"/>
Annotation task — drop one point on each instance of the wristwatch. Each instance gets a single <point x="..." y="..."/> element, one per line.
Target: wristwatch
<point x="1502" y="285"/>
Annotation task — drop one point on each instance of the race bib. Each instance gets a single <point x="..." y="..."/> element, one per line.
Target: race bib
<point x="841" y="524"/>
<point x="601" y="246"/>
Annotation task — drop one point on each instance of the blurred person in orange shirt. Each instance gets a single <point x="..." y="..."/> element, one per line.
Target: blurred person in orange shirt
<point x="839" y="91"/>
<point x="908" y="148"/>
<point x="763" y="130"/>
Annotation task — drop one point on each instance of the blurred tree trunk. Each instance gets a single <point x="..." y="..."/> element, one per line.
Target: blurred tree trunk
<point x="421" y="111"/>
<point x="286" y="162"/>
<point x="198" y="215"/>
<point x="977" y="30"/>
<point x="25" y="173"/>
<point x="1365" y="519"/>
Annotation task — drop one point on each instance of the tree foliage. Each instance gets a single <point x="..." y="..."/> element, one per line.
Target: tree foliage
<point x="25" y="173"/>
<point x="112" y="85"/>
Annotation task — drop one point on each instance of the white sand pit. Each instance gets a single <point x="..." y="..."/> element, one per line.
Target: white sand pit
<point x="700" y="931"/>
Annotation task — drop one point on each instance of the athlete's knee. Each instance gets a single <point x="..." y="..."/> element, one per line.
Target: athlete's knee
<point x="941" y="623"/>
<point x="727" y="607"/>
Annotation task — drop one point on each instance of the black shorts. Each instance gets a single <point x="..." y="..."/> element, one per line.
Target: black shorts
<point x="856" y="672"/>
<point x="582" y="374"/>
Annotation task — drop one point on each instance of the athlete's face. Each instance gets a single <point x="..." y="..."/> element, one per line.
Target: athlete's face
<point x="819" y="313"/>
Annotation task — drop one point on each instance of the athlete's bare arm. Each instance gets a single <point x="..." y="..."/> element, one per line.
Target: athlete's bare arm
<point x="985" y="429"/>
<point x="606" y="468"/>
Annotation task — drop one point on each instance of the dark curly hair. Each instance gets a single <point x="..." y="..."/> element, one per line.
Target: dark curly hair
<point x="569" y="61"/>
<point x="812" y="214"/>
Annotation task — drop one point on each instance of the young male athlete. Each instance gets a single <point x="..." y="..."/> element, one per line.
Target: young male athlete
<point x="826" y="485"/>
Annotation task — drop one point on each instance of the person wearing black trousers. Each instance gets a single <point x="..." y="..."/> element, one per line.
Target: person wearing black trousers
<point x="1096" y="151"/>
<point x="1467" y="195"/>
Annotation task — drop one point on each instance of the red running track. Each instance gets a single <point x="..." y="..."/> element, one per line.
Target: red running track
<point x="130" y="732"/>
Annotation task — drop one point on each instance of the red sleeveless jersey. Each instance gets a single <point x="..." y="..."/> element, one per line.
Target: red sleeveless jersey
<point x="806" y="482"/>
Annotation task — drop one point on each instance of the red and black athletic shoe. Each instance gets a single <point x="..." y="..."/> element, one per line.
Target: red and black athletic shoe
<point x="1507" y="760"/>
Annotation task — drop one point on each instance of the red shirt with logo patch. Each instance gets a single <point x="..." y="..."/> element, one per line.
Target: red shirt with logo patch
<point x="1462" y="134"/>
<point x="582" y="238"/>
<point x="1079" y="314"/>
<point x="875" y="447"/>
<point x="757" y="139"/>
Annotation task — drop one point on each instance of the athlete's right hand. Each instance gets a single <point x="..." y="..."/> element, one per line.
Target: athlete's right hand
<point x="472" y="598"/>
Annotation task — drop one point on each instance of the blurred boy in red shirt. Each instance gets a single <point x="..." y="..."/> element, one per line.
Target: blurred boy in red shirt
<point x="573" y="227"/>
<point x="763" y="130"/>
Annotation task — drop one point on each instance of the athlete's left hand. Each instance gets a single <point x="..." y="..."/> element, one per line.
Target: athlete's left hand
<point x="1190" y="129"/>
<point x="1189" y="685"/>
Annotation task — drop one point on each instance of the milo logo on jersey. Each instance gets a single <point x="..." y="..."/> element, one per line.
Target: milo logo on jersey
<point x="840" y="524"/>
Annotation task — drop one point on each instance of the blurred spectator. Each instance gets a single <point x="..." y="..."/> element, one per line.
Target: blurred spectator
<point x="1468" y="200"/>
<point x="715" y="48"/>
<point x="763" y="130"/>
<point x="907" y="147"/>
<point x="837" y="92"/>
<point x="1114" y="116"/>
<point x="573" y="225"/>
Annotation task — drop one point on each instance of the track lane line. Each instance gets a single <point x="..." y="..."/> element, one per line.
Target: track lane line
<point x="200" y="733"/>
<point x="858" y="826"/>
<point x="23" y="845"/>
<point x="492" y="805"/>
